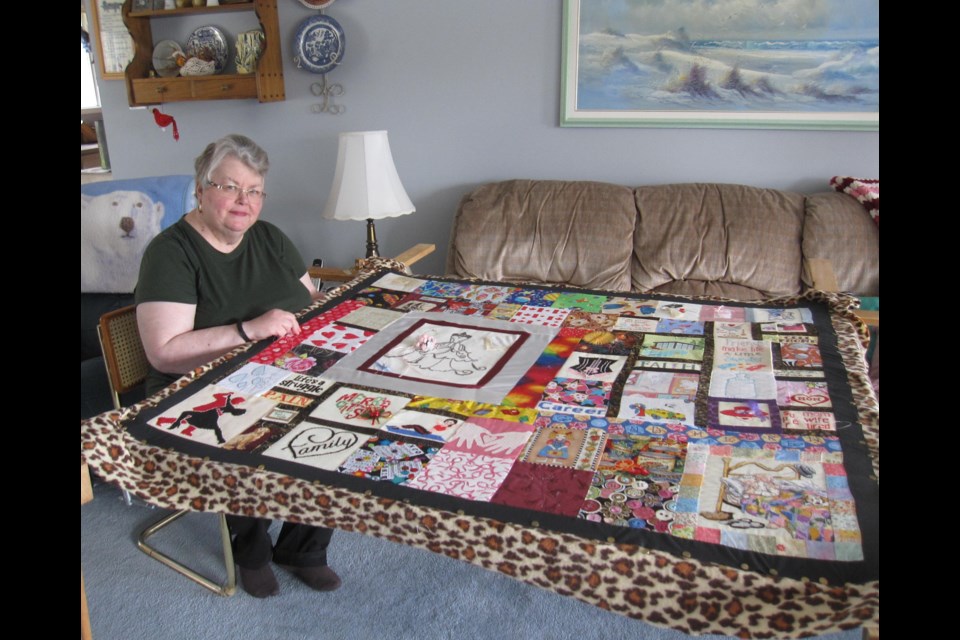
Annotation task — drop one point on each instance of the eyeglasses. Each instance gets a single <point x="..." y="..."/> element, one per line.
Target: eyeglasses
<point x="232" y="190"/>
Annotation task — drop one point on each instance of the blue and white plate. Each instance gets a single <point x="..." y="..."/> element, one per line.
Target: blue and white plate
<point x="319" y="43"/>
<point x="211" y="39"/>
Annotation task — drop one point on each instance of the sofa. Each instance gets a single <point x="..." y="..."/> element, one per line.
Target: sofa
<point x="118" y="218"/>
<point x="733" y="241"/>
<point x="726" y="240"/>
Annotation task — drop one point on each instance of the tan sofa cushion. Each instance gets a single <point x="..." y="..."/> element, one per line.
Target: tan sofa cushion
<point x="740" y="239"/>
<point x="579" y="233"/>
<point x="838" y="228"/>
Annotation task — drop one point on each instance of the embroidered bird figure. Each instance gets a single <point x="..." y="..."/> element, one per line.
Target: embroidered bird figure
<point x="163" y="121"/>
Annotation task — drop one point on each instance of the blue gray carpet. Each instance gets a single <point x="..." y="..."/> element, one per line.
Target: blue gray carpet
<point x="390" y="592"/>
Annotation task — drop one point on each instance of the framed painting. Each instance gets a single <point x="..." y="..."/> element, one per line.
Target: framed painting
<point x="757" y="64"/>
<point x="113" y="42"/>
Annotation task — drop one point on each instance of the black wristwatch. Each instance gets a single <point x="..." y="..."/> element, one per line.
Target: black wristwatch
<point x="243" y="334"/>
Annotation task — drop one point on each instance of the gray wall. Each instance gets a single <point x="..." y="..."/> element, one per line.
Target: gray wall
<point x="469" y="92"/>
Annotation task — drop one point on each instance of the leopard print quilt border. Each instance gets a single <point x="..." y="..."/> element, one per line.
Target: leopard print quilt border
<point x="676" y="592"/>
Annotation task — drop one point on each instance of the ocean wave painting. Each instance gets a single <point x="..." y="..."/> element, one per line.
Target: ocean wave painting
<point x="809" y="63"/>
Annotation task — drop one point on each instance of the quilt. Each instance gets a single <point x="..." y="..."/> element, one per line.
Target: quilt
<point x="706" y="465"/>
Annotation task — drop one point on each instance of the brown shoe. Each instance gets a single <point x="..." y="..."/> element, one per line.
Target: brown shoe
<point x="260" y="583"/>
<point x="318" y="578"/>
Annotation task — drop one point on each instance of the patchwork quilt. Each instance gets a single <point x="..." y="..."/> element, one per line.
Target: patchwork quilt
<point x="706" y="465"/>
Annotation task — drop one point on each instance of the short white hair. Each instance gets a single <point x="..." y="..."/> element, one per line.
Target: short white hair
<point x="236" y="146"/>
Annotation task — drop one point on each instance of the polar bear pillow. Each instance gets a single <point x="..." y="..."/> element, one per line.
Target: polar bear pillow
<point x="118" y="219"/>
<point x="114" y="231"/>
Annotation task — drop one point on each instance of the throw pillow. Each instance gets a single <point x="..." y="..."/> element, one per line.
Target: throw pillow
<point x="118" y="219"/>
<point x="867" y="192"/>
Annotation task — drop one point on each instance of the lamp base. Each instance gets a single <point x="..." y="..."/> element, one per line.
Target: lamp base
<point x="372" y="250"/>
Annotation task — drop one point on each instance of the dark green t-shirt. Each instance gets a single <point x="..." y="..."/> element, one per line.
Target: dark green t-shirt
<point x="262" y="273"/>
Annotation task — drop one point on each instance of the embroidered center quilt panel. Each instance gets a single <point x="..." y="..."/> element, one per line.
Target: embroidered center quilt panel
<point x="721" y="431"/>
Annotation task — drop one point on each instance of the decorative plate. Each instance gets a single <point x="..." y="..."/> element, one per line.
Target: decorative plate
<point x="317" y="4"/>
<point x="319" y="44"/>
<point x="212" y="40"/>
<point x="165" y="58"/>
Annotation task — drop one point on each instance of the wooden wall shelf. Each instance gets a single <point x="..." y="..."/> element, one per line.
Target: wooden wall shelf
<point x="266" y="84"/>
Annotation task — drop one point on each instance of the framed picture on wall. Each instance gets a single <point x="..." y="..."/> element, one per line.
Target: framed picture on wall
<point x="114" y="46"/>
<point x="797" y="64"/>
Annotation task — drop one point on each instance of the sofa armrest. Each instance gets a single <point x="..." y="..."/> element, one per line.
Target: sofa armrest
<point x="822" y="274"/>
<point x="825" y="279"/>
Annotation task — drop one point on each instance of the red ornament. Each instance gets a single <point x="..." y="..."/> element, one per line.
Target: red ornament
<point x="163" y="121"/>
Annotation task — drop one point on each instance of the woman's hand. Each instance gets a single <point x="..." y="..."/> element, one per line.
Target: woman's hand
<point x="274" y="323"/>
<point x="174" y="346"/>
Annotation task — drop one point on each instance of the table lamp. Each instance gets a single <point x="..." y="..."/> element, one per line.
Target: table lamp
<point x="366" y="185"/>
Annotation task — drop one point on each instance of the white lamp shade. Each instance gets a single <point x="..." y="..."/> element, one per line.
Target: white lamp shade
<point x="366" y="184"/>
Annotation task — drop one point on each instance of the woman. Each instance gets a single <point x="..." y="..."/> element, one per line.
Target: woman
<point x="217" y="278"/>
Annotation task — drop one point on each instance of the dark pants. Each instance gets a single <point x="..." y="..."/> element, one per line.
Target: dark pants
<point x="298" y="545"/>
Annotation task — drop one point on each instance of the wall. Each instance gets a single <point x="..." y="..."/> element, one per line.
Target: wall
<point x="469" y="92"/>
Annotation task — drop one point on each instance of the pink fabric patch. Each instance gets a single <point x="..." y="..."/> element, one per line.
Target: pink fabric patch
<point x="834" y="469"/>
<point x="490" y="437"/>
<point x="867" y="193"/>
<point x="705" y="534"/>
<point x="464" y="475"/>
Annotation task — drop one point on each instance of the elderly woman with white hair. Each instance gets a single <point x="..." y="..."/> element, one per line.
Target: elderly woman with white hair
<point x="217" y="278"/>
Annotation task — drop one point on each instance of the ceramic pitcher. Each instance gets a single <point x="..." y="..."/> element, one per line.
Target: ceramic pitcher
<point x="249" y="48"/>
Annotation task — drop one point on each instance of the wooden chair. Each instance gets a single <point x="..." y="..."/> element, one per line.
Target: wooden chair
<point x="123" y="353"/>
<point x="127" y="368"/>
